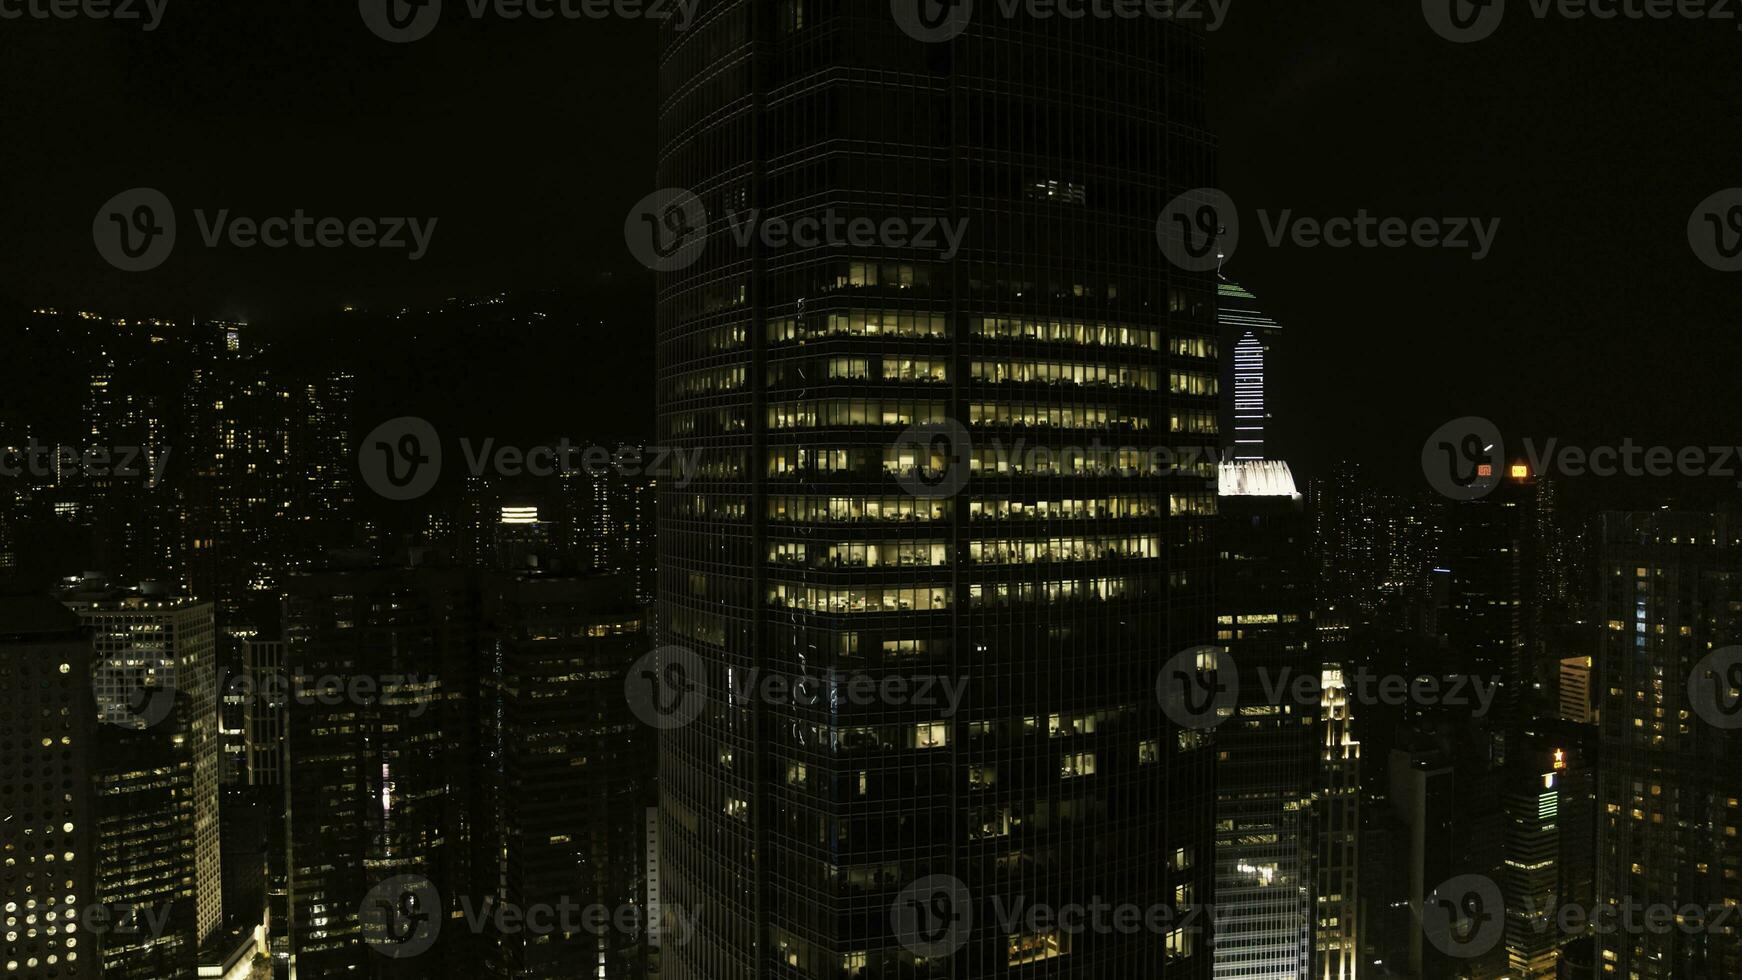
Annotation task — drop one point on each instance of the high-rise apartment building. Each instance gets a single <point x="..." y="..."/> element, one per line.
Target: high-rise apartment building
<point x="564" y="771"/>
<point x="1669" y="790"/>
<point x="818" y="541"/>
<point x="156" y="774"/>
<point x="1266" y="750"/>
<point x="47" y="728"/>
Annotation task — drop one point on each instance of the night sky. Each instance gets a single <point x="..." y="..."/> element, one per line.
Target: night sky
<point x="1591" y="140"/>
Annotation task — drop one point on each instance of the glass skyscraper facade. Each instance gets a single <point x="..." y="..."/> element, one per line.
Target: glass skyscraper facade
<point x="818" y="540"/>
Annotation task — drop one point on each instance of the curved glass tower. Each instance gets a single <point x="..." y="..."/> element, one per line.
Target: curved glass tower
<point x="955" y="416"/>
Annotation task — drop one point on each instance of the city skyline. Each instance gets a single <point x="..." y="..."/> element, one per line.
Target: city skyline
<point x="862" y="490"/>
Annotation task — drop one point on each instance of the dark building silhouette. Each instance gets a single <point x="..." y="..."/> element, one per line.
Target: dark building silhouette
<point x="1670" y="782"/>
<point x="377" y="742"/>
<point x="565" y="771"/>
<point x="818" y="538"/>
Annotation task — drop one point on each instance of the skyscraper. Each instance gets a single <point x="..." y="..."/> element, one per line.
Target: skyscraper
<point x="565" y="771"/>
<point x="1266" y="764"/>
<point x="1248" y="336"/>
<point x="377" y="765"/>
<point x="819" y="541"/>
<point x="1530" y="875"/>
<point x="1337" y="834"/>
<point x="156" y="776"/>
<point x="1669" y="791"/>
<point x="48" y="719"/>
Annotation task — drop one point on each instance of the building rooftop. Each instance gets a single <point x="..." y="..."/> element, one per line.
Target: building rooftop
<point x="1255" y="478"/>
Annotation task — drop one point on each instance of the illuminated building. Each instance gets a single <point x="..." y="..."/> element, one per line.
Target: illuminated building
<point x="157" y="772"/>
<point x="565" y="771"/>
<point x="1249" y="336"/>
<point x="48" y="720"/>
<point x="1669" y="790"/>
<point x="1530" y="872"/>
<point x="1265" y="769"/>
<point x="816" y="537"/>
<point x="1336" y="834"/>
<point x="1575" y="690"/>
